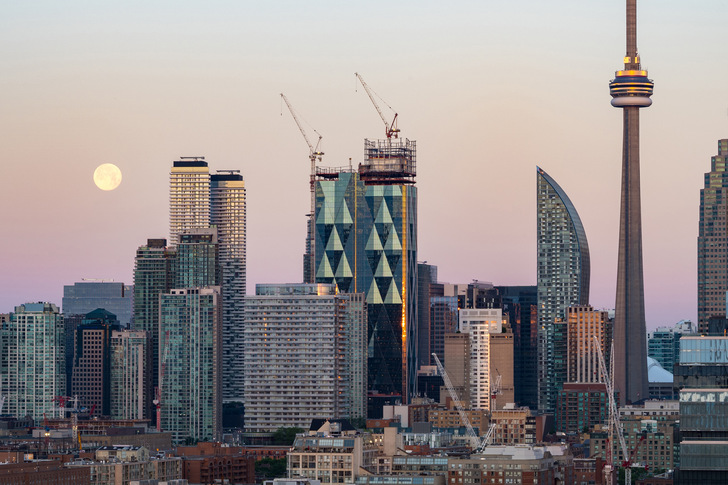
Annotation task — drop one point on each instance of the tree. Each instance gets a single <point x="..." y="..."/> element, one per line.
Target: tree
<point x="271" y="468"/>
<point x="285" y="436"/>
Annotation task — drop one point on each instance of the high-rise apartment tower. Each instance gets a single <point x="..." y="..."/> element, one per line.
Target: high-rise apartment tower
<point x="32" y="345"/>
<point x="189" y="196"/>
<point x="630" y="90"/>
<point x="227" y="214"/>
<point x="562" y="280"/>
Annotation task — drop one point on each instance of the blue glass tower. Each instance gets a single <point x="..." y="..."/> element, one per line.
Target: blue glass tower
<point x="366" y="242"/>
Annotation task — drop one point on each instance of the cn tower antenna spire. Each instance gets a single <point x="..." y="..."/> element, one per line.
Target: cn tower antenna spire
<point x="633" y="62"/>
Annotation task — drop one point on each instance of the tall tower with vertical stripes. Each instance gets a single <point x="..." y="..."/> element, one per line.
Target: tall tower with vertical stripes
<point x="630" y="90"/>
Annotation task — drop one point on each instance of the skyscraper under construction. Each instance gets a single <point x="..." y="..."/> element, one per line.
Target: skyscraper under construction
<point x="366" y="242"/>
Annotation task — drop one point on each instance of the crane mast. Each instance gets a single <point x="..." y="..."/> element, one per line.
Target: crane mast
<point x="390" y="128"/>
<point x="481" y="444"/>
<point x="314" y="155"/>
<point x="614" y="421"/>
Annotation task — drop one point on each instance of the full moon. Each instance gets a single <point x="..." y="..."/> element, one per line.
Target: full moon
<point x="107" y="176"/>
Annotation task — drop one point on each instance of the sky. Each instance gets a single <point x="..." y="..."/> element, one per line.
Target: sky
<point x="489" y="90"/>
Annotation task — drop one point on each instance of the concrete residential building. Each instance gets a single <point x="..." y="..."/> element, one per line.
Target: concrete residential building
<point x="480" y="324"/>
<point x="630" y="90"/>
<point x="457" y="365"/>
<point x="131" y="370"/>
<point x="32" y="350"/>
<point x="524" y="464"/>
<point x="189" y="196"/>
<point x="190" y="369"/>
<point x="227" y="214"/>
<point x="91" y="374"/>
<point x="332" y="452"/>
<point x="366" y="242"/>
<point x="563" y="272"/>
<point x="584" y="326"/>
<point x="581" y="405"/>
<point x="89" y="294"/>
<point x="305" y="354"/>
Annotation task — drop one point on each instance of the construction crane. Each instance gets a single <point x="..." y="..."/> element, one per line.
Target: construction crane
<point x="481" y="444"/>
<point x="614" y="421"/>
<point x="495" y="390"/>
<point x="390" y="128"/>
<point x="315" y="155"/>
<point x="158" y="390"/>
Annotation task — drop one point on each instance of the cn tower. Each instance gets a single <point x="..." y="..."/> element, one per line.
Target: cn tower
<point x="630" y="90"/>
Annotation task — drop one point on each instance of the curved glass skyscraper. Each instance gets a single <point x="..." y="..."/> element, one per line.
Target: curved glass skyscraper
<point x="563" y="281"/>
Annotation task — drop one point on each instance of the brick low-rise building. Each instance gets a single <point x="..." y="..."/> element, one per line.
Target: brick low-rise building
<point x="211" y="462"/>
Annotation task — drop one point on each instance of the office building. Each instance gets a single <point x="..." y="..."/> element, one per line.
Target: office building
<point x="91" y="374"/>
<point x="190" y="369"/>
<point x="520" y="305"/>
<point x="589" y="332"/>
<point x="305" y="354"/>
<point x="427" y="276"/>
<point x="443" y="312"/>
<point x="33" y="360"/>
<point x="563" y="270"/>
<point x="189" y="196"/>
<point x="366" y="241"/>
<point x="712" y="243"/>
<point x="663" y="343"/>
<point x="131" y="369"/>
<point x="630" y="90"/>
<point x="227" y="214"/>
<point x="88" y="295"/>
<point x="154" y="274"/>
<point x="702" y="380"/>
<point x="703" y="363"/>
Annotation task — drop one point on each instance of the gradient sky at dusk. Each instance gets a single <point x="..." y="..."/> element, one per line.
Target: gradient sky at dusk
<point x="488" y="89"/>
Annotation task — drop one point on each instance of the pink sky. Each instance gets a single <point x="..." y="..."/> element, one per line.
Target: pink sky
<point x="489" y="90"/>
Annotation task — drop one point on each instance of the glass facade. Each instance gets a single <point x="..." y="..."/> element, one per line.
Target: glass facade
<point x="563" y="270"/>
<point x="32" y="353"/>
<point x="228" y="215"/>
<point x="86" y="296"/>
<point x="712" y="240"/>
<point x="703" y="350"/>
<point x="154" y="273"/>
<point x="520" y="304"/>
<point x="366" y="241"/>
<point x="130" y="372"/>
<point x="189" y="375"/>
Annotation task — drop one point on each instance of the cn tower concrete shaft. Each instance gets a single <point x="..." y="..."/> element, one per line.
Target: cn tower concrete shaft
<point x="631" y="90"/>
